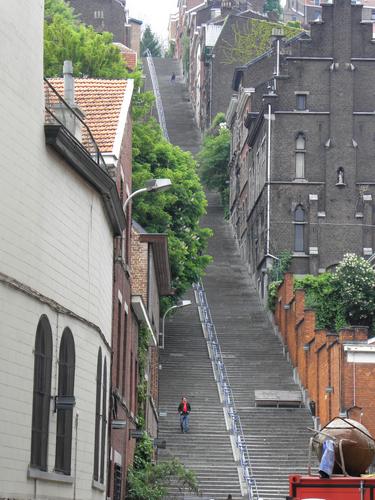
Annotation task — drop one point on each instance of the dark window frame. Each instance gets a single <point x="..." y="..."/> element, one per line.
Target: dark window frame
<point x="299" y="229"/>
<point x="301" y="102"/>
<point x="41" y="394"/>
<point x="64" y="425"/>
<point x="97" y="415"/>
<point x="104" y="423"/>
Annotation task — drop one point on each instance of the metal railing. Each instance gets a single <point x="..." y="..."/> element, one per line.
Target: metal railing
<point x="222" y="379"/>
<point x="59" y="111"/>
<point x="158" y="101"/>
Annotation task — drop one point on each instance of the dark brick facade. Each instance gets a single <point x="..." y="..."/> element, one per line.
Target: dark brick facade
<point x="332" y="181"/>
<point x="104" y="15"/>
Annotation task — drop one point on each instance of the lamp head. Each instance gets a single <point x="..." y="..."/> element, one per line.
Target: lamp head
<point x="158" y="184"/>
<point x="183" y="303"/>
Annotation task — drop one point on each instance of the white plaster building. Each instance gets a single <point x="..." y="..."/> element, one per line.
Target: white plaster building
<point x="59" y="212"/>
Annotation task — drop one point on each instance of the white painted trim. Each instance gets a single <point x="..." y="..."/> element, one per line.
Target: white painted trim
<point x="119" y="296"/>
<point x="54" y="477"/>
<point x="126" y="307"/>
<point x="125" y="108"/>
<point x="141" y="314"/>
<point x="117" y="458"/>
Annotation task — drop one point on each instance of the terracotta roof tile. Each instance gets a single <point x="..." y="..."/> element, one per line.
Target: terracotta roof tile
<point x="129" y="55"/>
<point x="101" y="101"/>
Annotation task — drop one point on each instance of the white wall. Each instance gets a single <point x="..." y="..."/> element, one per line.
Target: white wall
<point x="54" y="238"/>
<point x="19" y="317"/>
<point x="54" y="230"/>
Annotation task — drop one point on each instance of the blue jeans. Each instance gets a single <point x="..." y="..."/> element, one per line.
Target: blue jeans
<point x="184" y="421"/>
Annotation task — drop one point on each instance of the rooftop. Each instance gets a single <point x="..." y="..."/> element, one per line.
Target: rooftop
<point x="101" y="102"/>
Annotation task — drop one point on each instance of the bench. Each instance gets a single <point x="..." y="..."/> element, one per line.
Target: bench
<point x="278" y="399"/>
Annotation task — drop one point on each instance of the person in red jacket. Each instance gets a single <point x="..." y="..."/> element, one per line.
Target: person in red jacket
<point x="184" y="410"/>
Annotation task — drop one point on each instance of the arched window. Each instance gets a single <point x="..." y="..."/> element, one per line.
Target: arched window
<point x="41" y="394"/>
<point x="299" y="229"/>
<point x="97" y="415"/>
<point x="300" y="156"/>
<point x="104" y="422"/>
<point x="65" y="403"/>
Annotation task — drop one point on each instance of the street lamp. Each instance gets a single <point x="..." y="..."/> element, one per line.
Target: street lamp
<point x="182" y="303"/>
<point x="151" y="185"/>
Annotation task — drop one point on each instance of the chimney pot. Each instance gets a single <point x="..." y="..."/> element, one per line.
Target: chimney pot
<point x="68" y="82"/>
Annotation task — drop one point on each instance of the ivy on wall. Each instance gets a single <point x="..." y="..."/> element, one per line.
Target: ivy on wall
<point x="252" y="40"/>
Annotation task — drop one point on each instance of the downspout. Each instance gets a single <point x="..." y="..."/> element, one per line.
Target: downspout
<point x="211" y="90"/>
<point x="268" y="179"/>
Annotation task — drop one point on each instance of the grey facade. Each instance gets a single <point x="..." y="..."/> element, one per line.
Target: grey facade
<point x="104" y="15"/>
<point x="313" y="193"/>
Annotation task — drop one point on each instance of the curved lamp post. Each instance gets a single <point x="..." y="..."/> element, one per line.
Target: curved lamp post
<point x="182" y="303"/>
<point x="151" y="185"/>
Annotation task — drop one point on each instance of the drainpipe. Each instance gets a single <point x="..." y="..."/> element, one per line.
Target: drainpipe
<point x="268" y="178"/>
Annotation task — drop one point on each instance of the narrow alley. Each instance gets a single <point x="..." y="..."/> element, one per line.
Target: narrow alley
<point x="277" y="438"/>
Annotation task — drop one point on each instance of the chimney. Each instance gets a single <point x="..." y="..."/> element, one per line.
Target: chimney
<point x="68" y="83"/>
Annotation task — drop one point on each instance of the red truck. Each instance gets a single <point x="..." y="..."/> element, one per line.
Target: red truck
<point x="335" y="488"/>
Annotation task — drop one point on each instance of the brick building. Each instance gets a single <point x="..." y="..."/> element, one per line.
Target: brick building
<point x="151" y="280"/>
<point x="336" y="371"/>
<point x="307" y="175"/>
<point x="61" y="212"/>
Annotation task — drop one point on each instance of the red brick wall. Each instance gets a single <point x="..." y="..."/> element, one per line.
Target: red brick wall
<point x="334" y="383"/>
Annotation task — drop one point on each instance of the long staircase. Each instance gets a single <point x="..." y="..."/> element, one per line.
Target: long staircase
<point x="186" y="371"/>
<point x="277" y="438"/>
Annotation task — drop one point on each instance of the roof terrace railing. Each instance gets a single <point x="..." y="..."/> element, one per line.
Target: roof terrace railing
<point x="222" y="379"/>
<point x="59" y="111"/>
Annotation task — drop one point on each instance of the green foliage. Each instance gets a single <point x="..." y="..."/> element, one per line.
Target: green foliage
<point x="144" y="452"/>
<point x="93" y="54"/>
<point x="185" y="54"/>
<point x="344" y="297"/>
<point x="273" y="6"/>
<point x="149" y="41"/>
<point x="294" y="24"/>
<point x="322" y="296"/>
<point x="176" y="212"/>
<point x="275" y="276"/>
<point x="252" y="40"/>
<point x="213" y="159"/>
<point x="152" y="481"/>
<point x="273" y="291"/>
<point x="355" y="280"/>
<point x="171" y="50"/>
<point x="143" y="347"/>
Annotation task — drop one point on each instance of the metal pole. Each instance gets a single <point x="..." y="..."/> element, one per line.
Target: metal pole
<point x="163" y="324"/>
<point x="268" y="177"/>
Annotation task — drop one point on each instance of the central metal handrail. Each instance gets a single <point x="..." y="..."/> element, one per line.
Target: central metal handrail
<point x="158" y="100"/>
<point x="221" y="377"/>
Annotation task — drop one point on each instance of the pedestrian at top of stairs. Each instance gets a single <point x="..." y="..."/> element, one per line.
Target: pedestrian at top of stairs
<point x="229" y="497"/>
<point x="184" y="410"/>
<point x="173" y="78"/>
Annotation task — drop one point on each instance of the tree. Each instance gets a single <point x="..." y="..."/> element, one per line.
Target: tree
<point x="273" y="6"/>
<point x="213" y="158"/>
<point x="93" y="54"/>
<point x="170" y="53"/>
<point x="176" y="212"/>
<point x="149" y="41"/>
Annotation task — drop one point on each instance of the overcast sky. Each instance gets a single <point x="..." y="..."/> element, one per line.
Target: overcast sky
<point x="153" y="12"/>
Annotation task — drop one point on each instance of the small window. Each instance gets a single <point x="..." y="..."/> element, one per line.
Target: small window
<point x="65" y="415"/>
<point x="373" y="14"/>
<point x="117" y="482"/>
<point x="299" y="229"/>
<point x="300" y="157"/>
<point x="41" y="394"/>
<point x="300" y="102"/>
<point x="317" y="2"/>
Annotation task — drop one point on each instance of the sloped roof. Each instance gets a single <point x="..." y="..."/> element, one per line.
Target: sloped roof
<point x="101" y="102"/>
